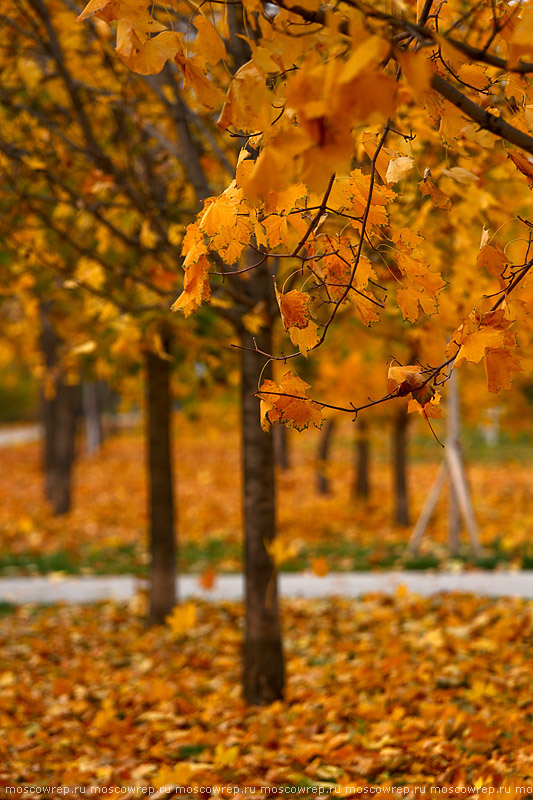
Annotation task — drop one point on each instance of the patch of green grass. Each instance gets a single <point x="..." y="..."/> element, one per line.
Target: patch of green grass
<point x="104" y="561"/>
<point x="527" y="561"/>
<point x="421" y="562"/>
<point x="209" y="554"/>
<point x="39" y="563"/>
<point x="189" y="750"/>
<point x="6" y="608"/>
<point x="195" y="557"/>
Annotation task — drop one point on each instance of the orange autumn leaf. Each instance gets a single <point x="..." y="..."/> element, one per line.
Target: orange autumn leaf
<point x="207" y="579"/>
<point x="153" y="54"/>
<point x="493" y="260"/>
<point x="293" y="307"/>
<point x="427" y="187"/>
<point x="500" y="367"/>
<point x="320" y="566"/>
<point x="208" y="45"/>
<point x="305" y="338"/>
<point x="524" y="165"/>
<point x="478" y="333"/>
<point x="288" y="402"/>
<point x="409" y="380"/>
<point x="195" y="287"/>
<point x="430" y="409"/>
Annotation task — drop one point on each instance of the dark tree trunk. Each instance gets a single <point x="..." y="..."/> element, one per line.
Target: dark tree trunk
<point x="48" y="418"/>
<point x="263" y="668"/>
<point x="59" y="407"/>
<point x="92" y="411"/>
<point x="324" y="446"/>
<point x="281" y="446"/>
<point x="161" y="487"/>
<point x="66" y="416"/>
<point x="400" y="456"/>
<point x="361" y="484"/>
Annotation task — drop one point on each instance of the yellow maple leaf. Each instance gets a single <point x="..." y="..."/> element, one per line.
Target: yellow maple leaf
<point x="480" y="333"/>
<point x="417" y="70"/>
<point x="288" y="402"/>
<point x="182" y="619"/>
<point x="293" y="308"/>
<point x="500" y="365"/>
<point x="194" y="75"/>
<point x="225" y="756"/>
<point x="195" y="287"/>
<point x="492" y="259"/>
<point x="208" y="46"/>
<point x="475" y="344"/>
<point x="368" y="311"/>
<point x="407" y="299"/>
<point x="305" y="338"/>
<point x="153" y="54"/>
<point x="248" y="101"/>
<point x="281" y="551"/>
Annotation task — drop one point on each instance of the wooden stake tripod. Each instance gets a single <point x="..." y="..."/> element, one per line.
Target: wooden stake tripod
<point x="452" y="468"/>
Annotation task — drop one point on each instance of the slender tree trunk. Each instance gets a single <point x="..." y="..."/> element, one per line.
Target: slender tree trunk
<point x="281" y="446"/>
<point x="264" y="674"/>
<point x="400" y="456"/>
<point x="361" y="483"/>
<point x="48" y="406"/>
<point x="92" y="411"/>
<point x="66" y="415"/>
<point x="324" y="446"/>
<point x="161" y="487"/>
<point x="48" y="413"/>
<point x="59" y="416"/>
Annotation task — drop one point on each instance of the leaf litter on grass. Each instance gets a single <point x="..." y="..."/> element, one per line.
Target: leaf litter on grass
<point x="380" y="691"/>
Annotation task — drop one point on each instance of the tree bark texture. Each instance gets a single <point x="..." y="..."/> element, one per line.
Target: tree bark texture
<point x="263" y="664"/>
<point x="324" y="448"/>
<point x="400" y="461"/>
<point x="281" y="446"/>
<point x="161" y="487"/>
<point x="59" y="407"/>
<point x="361" y="484"/>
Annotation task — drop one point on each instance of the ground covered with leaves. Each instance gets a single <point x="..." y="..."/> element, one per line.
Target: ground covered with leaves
<point x="380" y="691"/>
<point x="106" y="531"/>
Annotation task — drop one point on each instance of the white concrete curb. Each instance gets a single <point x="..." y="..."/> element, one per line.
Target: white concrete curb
<point x="90" y="589"/>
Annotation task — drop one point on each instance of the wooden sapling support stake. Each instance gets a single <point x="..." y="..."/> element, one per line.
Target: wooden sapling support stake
<point x="451" y="468"/>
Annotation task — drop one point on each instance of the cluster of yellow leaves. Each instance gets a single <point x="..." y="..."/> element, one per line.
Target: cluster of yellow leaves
<point x="228" y="226"/>
<point x="309" y="104"/>
<point x="296" y="318"/>
<point x="420" y="285"/>
<point x="488" y="336"/>
<point x="387" y="690"/>
<point x="145" y="44"/>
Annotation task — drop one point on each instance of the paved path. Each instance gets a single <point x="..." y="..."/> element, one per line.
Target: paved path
<point x="89" y="589"/>
<point x="19" y="434"/>
<point x="22" y="434"/>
